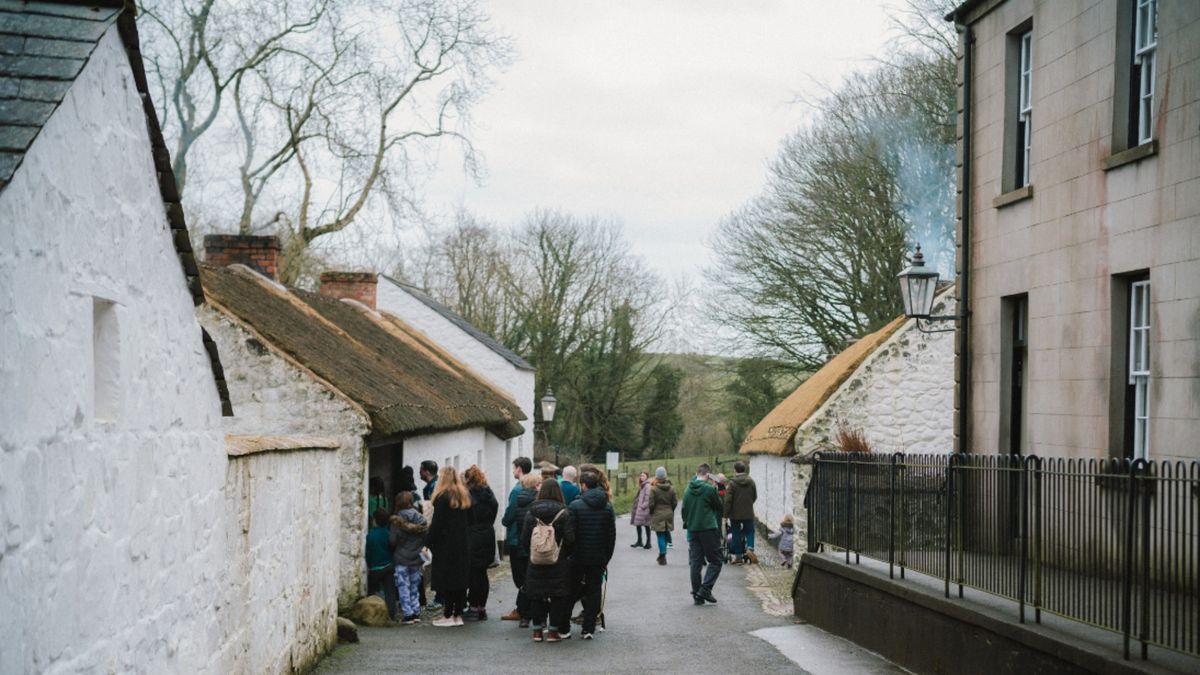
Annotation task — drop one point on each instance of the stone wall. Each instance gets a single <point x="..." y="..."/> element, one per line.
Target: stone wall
<point x="282" y="535"/>
<point x="112" y="547"/>
<point x="901" y="397"/>
<point x="273" y="395"/>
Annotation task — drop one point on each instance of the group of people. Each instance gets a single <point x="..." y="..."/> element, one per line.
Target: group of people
<point x="560" y="534"/>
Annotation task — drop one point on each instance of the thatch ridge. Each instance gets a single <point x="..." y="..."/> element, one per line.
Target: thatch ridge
<point x="402" y="389"/>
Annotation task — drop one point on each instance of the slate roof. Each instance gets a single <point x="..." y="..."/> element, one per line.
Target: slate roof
<point x="470" y="328"/>
<point x="44" y="45"/>
<point x="407" y="386"/>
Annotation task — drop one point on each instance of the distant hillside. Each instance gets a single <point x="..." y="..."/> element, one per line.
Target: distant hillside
<point x="707" y="407"/>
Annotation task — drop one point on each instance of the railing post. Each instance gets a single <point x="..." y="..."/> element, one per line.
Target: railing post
<point x="892" y="516"/>
<point x="810" y="505"/>
<point x="1023" y="529"/>
<point x="1127" y="578"/>
<point x="949" y="516"/>
<point x="1141" y="473"/>
<point x="849" y="508"/>
<point x="1037" y="535"/>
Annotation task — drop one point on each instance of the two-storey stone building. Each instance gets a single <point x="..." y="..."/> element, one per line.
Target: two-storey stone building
<point x="1079" y="227"/>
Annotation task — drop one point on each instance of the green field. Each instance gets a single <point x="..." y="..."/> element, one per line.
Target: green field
<point x="680" y="471"/>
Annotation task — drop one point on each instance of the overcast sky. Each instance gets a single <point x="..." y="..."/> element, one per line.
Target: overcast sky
<point x="660" y="114"/>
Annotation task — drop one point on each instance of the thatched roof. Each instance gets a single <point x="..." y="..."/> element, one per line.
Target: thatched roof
<point x="406" y="387"/>
<point x="774" y="433"/>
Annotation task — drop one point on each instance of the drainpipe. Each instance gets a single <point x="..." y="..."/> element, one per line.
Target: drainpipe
<point x="964" y="280"/>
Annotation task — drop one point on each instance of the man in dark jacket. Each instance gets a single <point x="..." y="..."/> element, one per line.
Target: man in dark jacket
<point x="740" y="496"/>
<point x="701" y="518"/>
<point x="429" y="471"/>
<point x="595" y="538"/>
<point x="512" y="520"/>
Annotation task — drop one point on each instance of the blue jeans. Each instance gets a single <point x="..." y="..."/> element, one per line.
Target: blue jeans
<point x="704" y="546"/>
<point x="662" y="542"/>
<point x="743" y="536"/>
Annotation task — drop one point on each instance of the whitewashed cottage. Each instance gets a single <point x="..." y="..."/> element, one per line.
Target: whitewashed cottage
<point x="486" y="357"/>
<point x="136" y="536"/>
<point x="890" y="385"/>
<point x="301" y="363"/>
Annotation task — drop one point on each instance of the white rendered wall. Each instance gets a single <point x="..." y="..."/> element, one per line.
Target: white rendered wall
<point x="773" y="477"/>
<point x="282" y="532"/>
<point x="464" y="448"/>
<point x="113" y="553"/>
<point x="273" y="396"/>
<point x="901" y="396"/>
<point x="497" y="370"/>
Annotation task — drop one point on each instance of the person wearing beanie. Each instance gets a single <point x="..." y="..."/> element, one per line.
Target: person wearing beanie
<point x="663" y="501"/>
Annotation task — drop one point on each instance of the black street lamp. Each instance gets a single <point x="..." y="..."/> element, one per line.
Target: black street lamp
<point x="549" y="405"/>
<point x="918" y="285"/>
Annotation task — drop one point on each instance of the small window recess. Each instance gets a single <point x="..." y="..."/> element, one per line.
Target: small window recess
<point x="106" y="361"/>
<point x="1136" y="81"/>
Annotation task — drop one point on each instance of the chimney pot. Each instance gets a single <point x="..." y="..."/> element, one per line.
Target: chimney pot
<point x="258" y="253"/>
<point x="358" y="286"/>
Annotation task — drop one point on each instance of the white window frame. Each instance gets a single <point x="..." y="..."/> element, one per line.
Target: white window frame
<point x="1139" y="365"/>
<point x="1145" y="50"/>
<point x="1025" y="100"/>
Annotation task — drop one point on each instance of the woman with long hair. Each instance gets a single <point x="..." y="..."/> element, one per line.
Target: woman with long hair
<point x="640" y="516"/>
<point x="548" y="584"/>
<point x="483" y="541"/>
<point x="449" y="542"/>
<point x="603" y="477"/>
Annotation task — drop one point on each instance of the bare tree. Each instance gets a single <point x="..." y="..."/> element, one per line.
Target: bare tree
<point x="333" y="113"/>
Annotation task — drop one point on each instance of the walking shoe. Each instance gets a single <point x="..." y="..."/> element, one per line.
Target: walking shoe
<point x="433" y="606"/>
<point x="511" y="616"/>
<point x="586" y="636"/>
<point x="564" y="636"/>
<point x="636" y="545"/>
<point x="472" y="614"/>
<point x="458" y="620"/>
<point x="662" y="560"/>
<point x="409" y="620"/>
<point x="553" y="636"/>
<point x="706" y="595"/>
<point x="647" y="546"/>
<point x="444" y="621"/>
<point x="481" y="615"/>
<point x="670" y="544"/>
<point x="537" y="635"/>
<point x="524" y="623"/>
<point x="699" y="600"/>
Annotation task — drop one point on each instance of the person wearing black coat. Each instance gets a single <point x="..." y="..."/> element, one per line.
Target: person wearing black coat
<point x="448" y="540"/>
<point x="549" y="586"/>
<point x="595" y="538"/>
<point x="483" y="541"/>
<point x="518" y="557"/>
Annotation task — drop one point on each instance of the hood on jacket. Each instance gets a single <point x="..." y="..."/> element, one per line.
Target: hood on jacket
<point x="526" y="497"/>
<point x="742" y="479"/>
<point x="663" y="484"/>
<point x="594" y="498"/>
<point x="695" y="487"/>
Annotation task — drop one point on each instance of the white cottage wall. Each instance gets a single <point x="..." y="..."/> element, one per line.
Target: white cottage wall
<point x="901" y="396"/>
<point x="773" y="478"/>
<point x="113" y="543"/>
<point x="497" y="370"/>
<point x="274" y="396"/>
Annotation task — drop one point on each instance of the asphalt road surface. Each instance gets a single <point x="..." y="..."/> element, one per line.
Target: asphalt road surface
<point x="652" y="625"/>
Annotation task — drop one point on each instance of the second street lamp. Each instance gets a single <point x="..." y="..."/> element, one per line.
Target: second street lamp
<point x="918" y="285"/>
<point x="549" y="405"/>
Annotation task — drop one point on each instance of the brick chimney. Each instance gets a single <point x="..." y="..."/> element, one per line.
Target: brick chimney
<point x="258" y="253"/>
<point x="358" y="286"/>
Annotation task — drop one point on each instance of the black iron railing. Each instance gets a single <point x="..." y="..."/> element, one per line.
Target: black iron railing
<point x="1110" y="543"/>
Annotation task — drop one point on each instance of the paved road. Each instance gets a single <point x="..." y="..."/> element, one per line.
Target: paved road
<point x="652" y="625"/>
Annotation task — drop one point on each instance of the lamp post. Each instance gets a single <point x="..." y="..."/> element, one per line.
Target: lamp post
<point x="918" y="285"/>
<point x="549" y="405"/>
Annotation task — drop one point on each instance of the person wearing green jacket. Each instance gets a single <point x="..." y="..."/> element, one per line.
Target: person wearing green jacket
<point x="702" y="508"/>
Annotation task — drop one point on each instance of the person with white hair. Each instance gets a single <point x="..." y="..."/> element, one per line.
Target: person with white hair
<point x="570" y="483"/>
